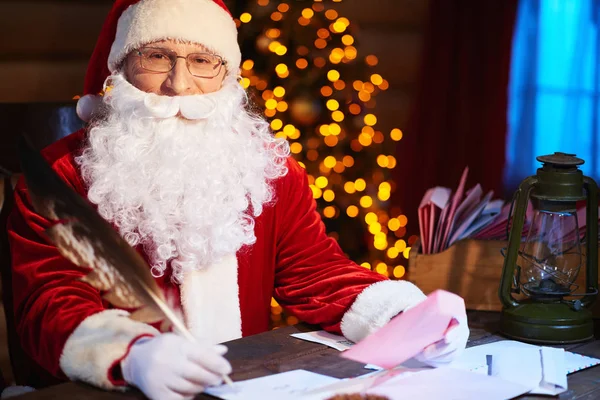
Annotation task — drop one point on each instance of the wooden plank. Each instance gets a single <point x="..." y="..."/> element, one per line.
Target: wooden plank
<point x="50" y="30"/>
<point x="41" y="81"/>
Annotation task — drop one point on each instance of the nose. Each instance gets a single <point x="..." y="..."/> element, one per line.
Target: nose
<point x="180" y="82"/>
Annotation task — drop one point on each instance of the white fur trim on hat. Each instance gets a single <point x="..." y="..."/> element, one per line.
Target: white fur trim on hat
<point x="97" y="343"/>
<point x="87" y="105"/>
<point x="198" y="21"/>
<point x="376" y="305"/>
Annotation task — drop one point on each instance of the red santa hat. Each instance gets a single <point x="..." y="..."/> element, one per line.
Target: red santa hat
<point x="134" y="23"/>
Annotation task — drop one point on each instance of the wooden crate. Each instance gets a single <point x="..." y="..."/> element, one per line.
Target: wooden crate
<point x="469" y="268"/>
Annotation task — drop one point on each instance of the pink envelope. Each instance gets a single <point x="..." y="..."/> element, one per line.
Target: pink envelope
<point x="407" y="334"/>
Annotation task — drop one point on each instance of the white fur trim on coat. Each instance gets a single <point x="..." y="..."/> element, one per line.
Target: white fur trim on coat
<point x="198" y="21"/>
<point x="99" y="341"/>
<point x="211" y="303"/>
<point x="376" y="305"/>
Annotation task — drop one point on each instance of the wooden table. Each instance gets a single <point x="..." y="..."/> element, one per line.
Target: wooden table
<point x="275" y="351"/>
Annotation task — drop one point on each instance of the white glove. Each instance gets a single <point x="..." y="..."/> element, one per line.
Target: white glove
<point x="450" y="347"/>
<point x="170" y="367"/>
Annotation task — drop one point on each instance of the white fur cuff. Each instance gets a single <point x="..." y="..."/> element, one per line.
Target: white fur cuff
<point x="376" y="305"/>
<point x="97" y="343"/>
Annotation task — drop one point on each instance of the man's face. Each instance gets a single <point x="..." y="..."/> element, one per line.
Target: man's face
<point x="177" y="82"/>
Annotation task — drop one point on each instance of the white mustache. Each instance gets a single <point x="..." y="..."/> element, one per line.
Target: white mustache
<point x="193" y="107"/>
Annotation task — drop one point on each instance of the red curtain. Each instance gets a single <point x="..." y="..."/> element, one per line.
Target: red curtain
<point x="459" y="116"/>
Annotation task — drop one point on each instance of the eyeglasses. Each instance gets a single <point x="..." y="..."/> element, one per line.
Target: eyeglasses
<point x="201" y="65"/>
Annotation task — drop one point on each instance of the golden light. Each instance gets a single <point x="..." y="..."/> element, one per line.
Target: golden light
<point x="399" y="272"/>
<point x="400" y="245"/>
<point x="383" y="196"/>
<point x="331" y="140"/>
<point x="392" y="252"/>
<point x="308" y="13"/>
<point x="339" y="85"/>
<point x="382" y="161"/>
<point x="300" y="163"/>
<point x="289" y="129"/>
<point x="380" y="241"/>
<point x="370" y="119"/>
<point x="321" y="182"/>
<point x="375" y="228"/>
<point x="369" y="87"/>
<point x="281" y="69"/>
<point x="245" y="82"/>
<point x="336" y="55"/>
<point x="324" y="130"/>
<point x="364" y="96"/>
<point x="282" y="106"/>
<point x="396" y="134"/>
<point x="267" y="94"/>
<point x="276" y="124"/>
<point x="263" y="2"/>
<point x="346" y="39"/>
<point x="333" y="104"/>
<point x="323" y="33"/>
<point x="281" y="50"/>
<point x="371" y="60"/>
<point x="337" y="116"/>
<point x="248" y="65"/>
<point x="376" y="79"/>
<point x="357" y="85"/>
<point x="329" y="212"/>
<point x="274" y="303"/>
<point x="330" y="161"/>
<point x="333" y="75"/>
<point x="331" y="14"/>
<point x="296" y="148"/>
<point x="335" y="129"/>
<point x="316" y="191"/>
<point x="339" y="166"/>
<point x="283" y="7"/>
<point x="360" y="184"/>
<point x="371" y="218"/>
<point x="270" y="113"/>
<point x="350" y="52"/>
<point x="352" y="211"/>
<point x="302" y="50"/>
<point x="385" y="186"/>
<point x="381" y="268"/>
<point x="303" y="21"/>
<point x="349" y="187"/>
<point x="326" y="91"/>
<point x="406" y="252"/>
<point x="364" y="139"/>
<point x="273" y="33"/>
<point x="385" y="85"/>
<point x="301" y="63"/>
<point x="391" y="162"/>
<point x="277" y="16"/>
<point x="246" y="17"/>
<point x="338" y="27"/>
<point x="320" y="43"/>
<point x="328" y="195"/>
<point x="366" y="201"/>
<point x="271" y="104"/>
<point x="403" y="221"/>
<point x="291" y="320"/>
<point x="348" y="161"/>
<point x="366" y="265"/>
<point x="295" y="135"/>
<point x="354" y="109"/>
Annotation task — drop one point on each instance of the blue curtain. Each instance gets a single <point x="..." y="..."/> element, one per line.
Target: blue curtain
<point x="554" y="86"/>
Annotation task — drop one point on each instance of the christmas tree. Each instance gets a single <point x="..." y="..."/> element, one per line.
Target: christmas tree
<point x="304" y="70"/>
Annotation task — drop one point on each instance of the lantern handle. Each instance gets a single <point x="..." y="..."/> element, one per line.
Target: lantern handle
<point x="521" y="198"/>
<point x="591" y="242"/>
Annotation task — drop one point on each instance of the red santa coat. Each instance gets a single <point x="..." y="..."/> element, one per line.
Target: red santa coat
<point x="68" y="330"/>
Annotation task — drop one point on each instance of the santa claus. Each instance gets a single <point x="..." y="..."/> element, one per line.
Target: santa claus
<point x="196" y="182"/>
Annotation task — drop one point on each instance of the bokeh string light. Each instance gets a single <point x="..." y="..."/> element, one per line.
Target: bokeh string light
<point x="319" y="92"/>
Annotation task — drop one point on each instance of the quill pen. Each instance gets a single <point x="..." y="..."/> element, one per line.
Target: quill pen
<point x="86" y="239"/>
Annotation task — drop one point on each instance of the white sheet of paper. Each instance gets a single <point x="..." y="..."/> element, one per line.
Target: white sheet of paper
<point x="543" y="369"/>
<point x="328" y="339"/>
<point x="444" y="383"/>
<point x="289" y="385"/>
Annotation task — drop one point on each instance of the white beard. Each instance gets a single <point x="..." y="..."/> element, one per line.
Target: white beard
<point x="188" y="190"/>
